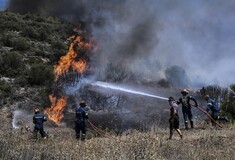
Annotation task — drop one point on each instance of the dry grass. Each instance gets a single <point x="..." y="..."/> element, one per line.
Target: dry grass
<point x="197" y="144"/>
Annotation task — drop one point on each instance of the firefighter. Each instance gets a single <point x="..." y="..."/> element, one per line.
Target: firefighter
<point x="38" y="120"/>
<point x="186" y="107"/>
<point x="80" y="124"/>
<point x="213" y="107"/>
<point x="174" y="118"/>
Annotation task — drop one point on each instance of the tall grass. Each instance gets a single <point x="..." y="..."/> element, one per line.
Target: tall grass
<point x="196" y="144"/>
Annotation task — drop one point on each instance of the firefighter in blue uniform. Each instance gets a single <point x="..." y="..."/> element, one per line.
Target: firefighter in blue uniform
<point x="80" y="124"/>
<point x="186" y="107"/>
<point x="38" y="120"/>
<point x="213" y="107"/>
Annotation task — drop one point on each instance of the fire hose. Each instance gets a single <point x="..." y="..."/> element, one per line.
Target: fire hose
<point x="103" y="133"/>
<point x="55" y="129"/>
<point x="208" y="115"/>
<point x="99" y="131"/>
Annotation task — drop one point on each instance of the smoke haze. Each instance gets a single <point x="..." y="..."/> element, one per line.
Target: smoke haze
<point x="21" y="118"/>
<point x="146" y="37"/>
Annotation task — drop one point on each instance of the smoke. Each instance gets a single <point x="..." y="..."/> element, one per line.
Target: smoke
<point x="21" y="118"/>
<point x="147" y="37"/>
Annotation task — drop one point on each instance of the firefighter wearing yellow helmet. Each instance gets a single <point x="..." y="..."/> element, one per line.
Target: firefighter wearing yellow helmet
<point x="38" y="120"/>
<point x="186" y="107"/>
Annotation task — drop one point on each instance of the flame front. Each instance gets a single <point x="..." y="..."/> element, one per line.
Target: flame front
<point x="74" y="61"/>
<point x="70" y="59"/>
<point x="55" y="112"/>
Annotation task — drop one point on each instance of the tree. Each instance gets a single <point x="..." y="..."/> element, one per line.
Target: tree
<point x="228" y="104"/>
<point x="176" y="76"/>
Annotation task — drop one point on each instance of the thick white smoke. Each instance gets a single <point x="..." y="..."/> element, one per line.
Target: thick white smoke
<point x="21" y="119"/>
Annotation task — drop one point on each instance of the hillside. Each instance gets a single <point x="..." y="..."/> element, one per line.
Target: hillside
<point x="30" y="45"/>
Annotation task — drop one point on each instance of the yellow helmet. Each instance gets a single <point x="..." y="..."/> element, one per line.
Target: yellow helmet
<point x="184" y="91"/>
<point x="36" y="110"/>
<point x="82" y="103"/>
<point x="207" y="96"/>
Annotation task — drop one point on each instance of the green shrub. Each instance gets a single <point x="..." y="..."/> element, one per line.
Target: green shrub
<point x="58" y="45"/>
<point x="5" y="88"/>
<point x="42" y="35"/>
<point x="228" y="103"/>
<point x="10" y="63"/>
<point x="30" y="32"/>
<point x="40" y="74"/>
<point x="11" y="25"/>
<point x="20" y="44"/>
<point x="21" y="81"/>
<point x="6" y="40"/>
<point x="34" y="60"/>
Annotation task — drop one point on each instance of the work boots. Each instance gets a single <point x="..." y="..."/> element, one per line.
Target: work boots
<point x="186" y="125"/>
<point x="171" y="134"/>
<point x="83" y="137"/>
<point x="191" y="123"/>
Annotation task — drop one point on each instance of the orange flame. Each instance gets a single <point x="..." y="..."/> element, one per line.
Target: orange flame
<point x="69" y="60"/>
<point x="55" y="112"/>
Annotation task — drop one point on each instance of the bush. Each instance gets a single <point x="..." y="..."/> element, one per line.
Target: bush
<point x="5" y="88"/>
<point x="20" y="44"/>
<point x="176" y="76"/>
<point x="10" y="63"/>
<point x="6" y="40"/>
<point x="30" y="32"/>
<point x="228" y="103"/>
<point x="58" y="45"/>
<point x="42" y="35"/>
<point x="40" y="74"/>
<point x="163" y="83"/>
<point x="21" y="81"/>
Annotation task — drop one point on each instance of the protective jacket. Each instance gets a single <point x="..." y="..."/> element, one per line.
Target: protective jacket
<point x="38" y="120"/>
<point x="185" y="101"/>
<point x="80" y="124"/>
<point x="211" y="105"/>
<point x="186" y="109"/>
<point x="81" y="115"/>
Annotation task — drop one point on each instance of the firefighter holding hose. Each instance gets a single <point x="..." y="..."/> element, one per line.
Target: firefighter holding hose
<point x="80" y="124"/>
<point x="213" y="107"/>
<point x="186" y="107"/>
<point x="174" y="118"/>
<point x="38" y="120"/>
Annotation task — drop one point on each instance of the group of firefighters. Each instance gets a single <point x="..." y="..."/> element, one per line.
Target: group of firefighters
<point x="185" y="101"/>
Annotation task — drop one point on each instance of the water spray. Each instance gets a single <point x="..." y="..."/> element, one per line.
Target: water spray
<point x="118" y="88"/>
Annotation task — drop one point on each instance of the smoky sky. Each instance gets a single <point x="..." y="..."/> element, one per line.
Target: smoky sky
<point x="149" y="36"/>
